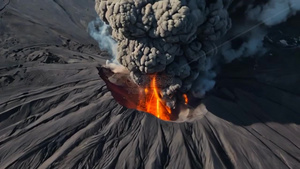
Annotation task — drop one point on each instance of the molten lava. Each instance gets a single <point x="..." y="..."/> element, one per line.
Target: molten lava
<point x="186" y="100"/>
<point x="146" y="98"/>
<point x="150" y="101"/>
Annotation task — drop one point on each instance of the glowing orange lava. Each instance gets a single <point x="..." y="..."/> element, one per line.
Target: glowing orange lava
<point x="186" y="100"/>
<point x="150" y="101"/>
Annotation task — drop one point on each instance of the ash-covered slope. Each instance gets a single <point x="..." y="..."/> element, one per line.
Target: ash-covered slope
<point x="55" y="111"/>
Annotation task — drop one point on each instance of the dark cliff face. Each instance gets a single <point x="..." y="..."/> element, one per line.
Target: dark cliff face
<point x="55" y="111"/>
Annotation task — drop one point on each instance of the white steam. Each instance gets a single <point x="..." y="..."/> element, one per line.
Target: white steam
<point x="100" y="32"/>
<point x="274" y="11"/>
<point x="258" y="18"/>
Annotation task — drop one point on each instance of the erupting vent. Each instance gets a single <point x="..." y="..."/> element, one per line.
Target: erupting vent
<point x="143" y="98"/>
<point x="150" y="101"/>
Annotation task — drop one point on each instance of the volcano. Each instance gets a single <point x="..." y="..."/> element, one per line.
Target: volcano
<point x="56" y="112"/>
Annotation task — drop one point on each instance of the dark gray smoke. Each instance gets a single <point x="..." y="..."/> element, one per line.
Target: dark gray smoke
<point x="172" y="37"/>
<point x="176" y="38"/>
<point x="252" y="44"/>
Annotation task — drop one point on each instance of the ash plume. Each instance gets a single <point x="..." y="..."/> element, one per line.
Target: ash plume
<point x="177" y="38"/>
<point x="170" y="37"/>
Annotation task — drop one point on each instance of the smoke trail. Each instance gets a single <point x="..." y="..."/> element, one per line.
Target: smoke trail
<point x="274" y="11"/>
<point x="205" y="82"/>
<point x="258" y="17"/>
<point x="100" y="32"/>
<point x="250" y="44"/>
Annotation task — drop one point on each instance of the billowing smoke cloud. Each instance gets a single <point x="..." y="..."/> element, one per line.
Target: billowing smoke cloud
<point x="171" y="37"/>
<point x="176" y="38"/>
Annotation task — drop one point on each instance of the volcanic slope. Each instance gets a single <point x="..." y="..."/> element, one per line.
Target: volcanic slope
<point x="55" y="111"/>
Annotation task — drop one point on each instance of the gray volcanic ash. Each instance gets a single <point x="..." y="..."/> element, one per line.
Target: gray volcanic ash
<point x="173" y="38"/>
<point x="170" y="46"/>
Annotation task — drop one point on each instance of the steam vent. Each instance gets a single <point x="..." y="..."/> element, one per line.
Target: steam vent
<point x="150" y="84"/>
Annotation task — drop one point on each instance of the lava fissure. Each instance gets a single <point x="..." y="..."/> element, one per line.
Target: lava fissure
<point x="150" y="101"/>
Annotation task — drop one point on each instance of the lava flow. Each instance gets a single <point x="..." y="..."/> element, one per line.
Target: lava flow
<point x="186" y="100"/>
<point x="147" y="98"/>
<point x="150" y="101"/>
